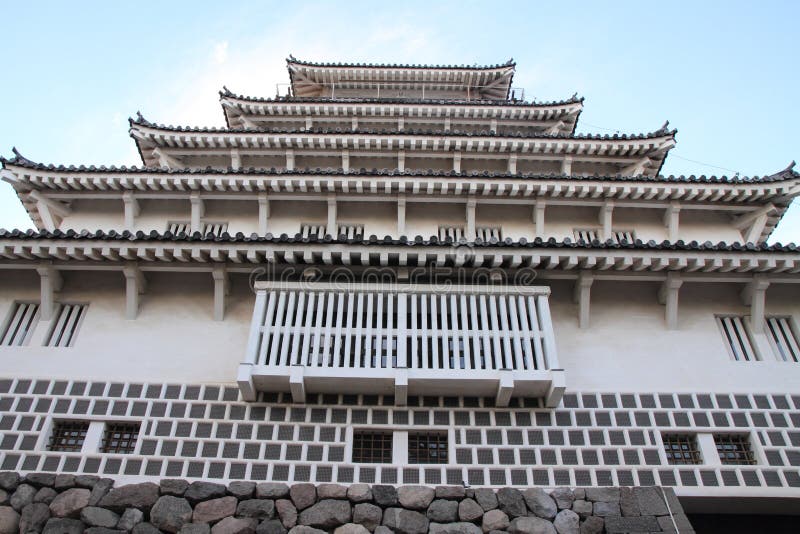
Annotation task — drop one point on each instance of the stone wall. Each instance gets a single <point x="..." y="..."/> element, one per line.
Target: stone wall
<point x="70" y="504"/>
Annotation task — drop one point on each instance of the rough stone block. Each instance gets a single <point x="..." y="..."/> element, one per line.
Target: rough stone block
<point x="214" y="510"/>
<point x="469" y="510"/>
<point x="495" y="520"/>
<point x="567" y="522"/>
<point x="170" y="513"/>
<point x="286" y="512"/>
<point x="130" y="518"/>
<point x="450" y="492"/>
<point x="454" y="528"/>
<point x="173" y="486"/>
<point x="204" y="491"/>
<point x="403" y="521"/>
<point x="272" y="490"/>
<point x="540" y="503"/>
<point x="70" y="503"/>
<point x="9" y="520"/>
<point x="486" y="498"/>
<point x="142" y="496"/>
<point x="650" y="501"/>
<point x="271" y="526"/>
<point x="531" y="525"/>
<point x="621" y="525"/>
<point x="303" y="495"/>
<point x="256" y="508"/>
<point x="605" y="509"/>
<point x="602" y="494"/>
<point x="326" y="514"/>
<point x="331" y="491"/>
<point x="95" y="516"/>
<point x="384" y="495"/>
<point x="368" y="515"/>
<point x="33" y="517"/>
<point x="235" y="525"/>
<point x="56" y="525"/>
<point x="415" y="497"/>
<point x="512" y="502"/>
<point x="359" y="493"/>
<point x="241" y="489"/>
<point x="443" y="511"/>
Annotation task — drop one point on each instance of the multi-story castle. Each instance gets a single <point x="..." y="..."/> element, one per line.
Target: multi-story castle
<point x="403" y="274"/>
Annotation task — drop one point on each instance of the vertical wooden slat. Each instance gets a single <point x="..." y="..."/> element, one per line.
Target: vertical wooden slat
<point x="791" y="341"/>
<point x="525" y="326"/>
<point x="299" y="319"/>
<point x="71" y="325"/>
<point x="379" y="331"/>
<point x="478" y="354"/>
<point x="494" y="322"/>
<point x="286" y="329"/>
<point x="368" y="334"/>
<point x="423" y="303"/>
<point x="390" y="356"/>
<point x="458" y="354"/>
<point x="264" y="324"/>
<point x="486" y="334"/>
<point x="337" y="346"/>
<point x="359" y="331"/>
<point x="513" y="319"/>
<point x="305" y="356"/>
<point x="349" y="360"/>
<point x="465" y="329"/>
<point x="502" y="312"/>
<point x="277" y="330"/>
<point x="536" y="330"/>
<point x="327" y="328"/>
<point x="435" y="331"/>
<point x="447" y="354"/>
<point x="548" y="339"/>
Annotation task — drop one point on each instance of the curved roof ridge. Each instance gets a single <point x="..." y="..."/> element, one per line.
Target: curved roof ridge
<point x="453" y="133"/>
<point x="291" y="60"/>
<point x="786" y="174"/>
<point x="637" y="244"/>
<point x="574" y="99"/>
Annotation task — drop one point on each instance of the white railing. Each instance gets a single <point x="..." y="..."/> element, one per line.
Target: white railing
<point x="415" y="333"/>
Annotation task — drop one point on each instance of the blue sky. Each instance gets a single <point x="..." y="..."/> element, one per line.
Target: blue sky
<point x="724" y="73"/>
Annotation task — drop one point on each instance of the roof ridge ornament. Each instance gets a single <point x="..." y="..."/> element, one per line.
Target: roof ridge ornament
<point x="18" y="157"/>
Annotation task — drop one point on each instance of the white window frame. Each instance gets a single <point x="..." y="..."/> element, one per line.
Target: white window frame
<point x="786" y="343"/>
<point x="735" y="332"/>
<point x="319" y="230"/>
<point x="13" y="319"/>
<point x="59" y="320"/>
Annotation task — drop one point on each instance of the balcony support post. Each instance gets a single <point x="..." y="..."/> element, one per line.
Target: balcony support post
<point x="668" y="295"/>
<point x="297" y="384"/>
<point x="135" y="285"/>
<point x="131" y="210"/>
<point x="222" y="289"/>
<point x="198" y="211"/>
<point x="401" y="214"/>
<point x="470" y="233"/>
<point x="582" y="296"/>
<point x="538" y="218"/>
<point x="263" y="213"/>
<point x="754" y="295"/>
<point x="555" y="392"/>
<point x="401" y="387"/>
<point x="50" y="284"/>
<point x="332" y="230"/>
<point x="672" y="217"/>
<point x="505" y="388"/>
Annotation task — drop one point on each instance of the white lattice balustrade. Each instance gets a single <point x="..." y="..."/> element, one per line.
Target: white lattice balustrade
<point x="404" y="339"/>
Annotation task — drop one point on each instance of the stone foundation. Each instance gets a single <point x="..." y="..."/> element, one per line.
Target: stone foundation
<point x="70" y="504"/>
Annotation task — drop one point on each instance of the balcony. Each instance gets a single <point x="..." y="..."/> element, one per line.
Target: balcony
<point x="402" y="339"/>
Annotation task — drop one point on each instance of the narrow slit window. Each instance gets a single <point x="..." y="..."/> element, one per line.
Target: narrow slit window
<point x="312" y="230"/>
<point x="737" y="338"/>
<point x="20" y="324"/>
<point x="68" y="436"/>
<point x="372" y="447"/>
<point x="66" y="326"/>
<point x="453" y="232"/>
<point x="351" y="231"/>
<point x="586" y="234"/>
<point x="215" y="228"/>
<point x="783" y="338"/>
<point x="487" y="233"/>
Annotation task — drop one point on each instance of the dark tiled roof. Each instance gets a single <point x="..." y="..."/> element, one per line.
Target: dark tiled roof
<point x="402" y="241"/>
<point x="784" y="175"/>
<point x="301" y="100"/>
<point x="295" y="61"/>
<point x="594" y="137"/>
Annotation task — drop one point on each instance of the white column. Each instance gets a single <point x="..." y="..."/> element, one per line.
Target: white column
<point x="470" y="230"/>
<point x="538" y="218"/>
<point x="263" y="213"/>
<point x="289" y="159"/>
<point x="48" y="218"/>
<point x="354" y="124"/>
<point x="754" y="295"/>
<point x="566" y="165"/>
<point x="582" y="295"/>
<point x="236" y="160"/>
<point x="493" y="125"/>
<point x="400" y="124"/>
<point x="457" y="161"/>
<point x="447" y="124"/>
<point x="346" y="160"/>
<point x="401" y="215"/>
<point x="668" y="295"/>
<point x="132" y="210"/>
<point x="309" y="123"/>
<point x="401" y="160"/>
<point x="605" y="218"/>
<point x="512" y="164"/>
<point x="221" y="290"/>
<point x="135" y="285"/>
<point x="198" y="211"/>
<point x="50" y="283"/>
<point x="332" y="215"/>
<point x="672" y="220"/>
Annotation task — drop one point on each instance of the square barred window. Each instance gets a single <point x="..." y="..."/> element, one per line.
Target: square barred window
<point x="427" y="448"/>
<point x="68" y="436"/>
<point x="372" y="447"/>
<point x="681" y="449"/>
<point x="120" y="438"/>
<point x="734" y="449"/>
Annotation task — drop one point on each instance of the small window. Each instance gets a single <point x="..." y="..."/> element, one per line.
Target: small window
<point x="737" y="338"/>
<point x="185" y="227"/>
<point x="427" y="448"/>
<point x="734" y="449"/>
<point x="586" y="234"/>
<point x="120" y="438"/>
<point x="681" y="449"/>
<point x="618" y="236"/>
<point x="66" y="326"/>
<point x="312" y="230"/>
<point x="68" y="436"/>
<point x="372" y="447"/>
<point x="453" y="232"/>
<point x="487" y="233"/>
<point x="20" y="324"/>
<point x="783" y="339"/>
<point x="351" y="231"/>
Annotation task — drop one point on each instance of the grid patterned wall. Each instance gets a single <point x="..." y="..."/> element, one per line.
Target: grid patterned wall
<point x="206" y="431"/>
